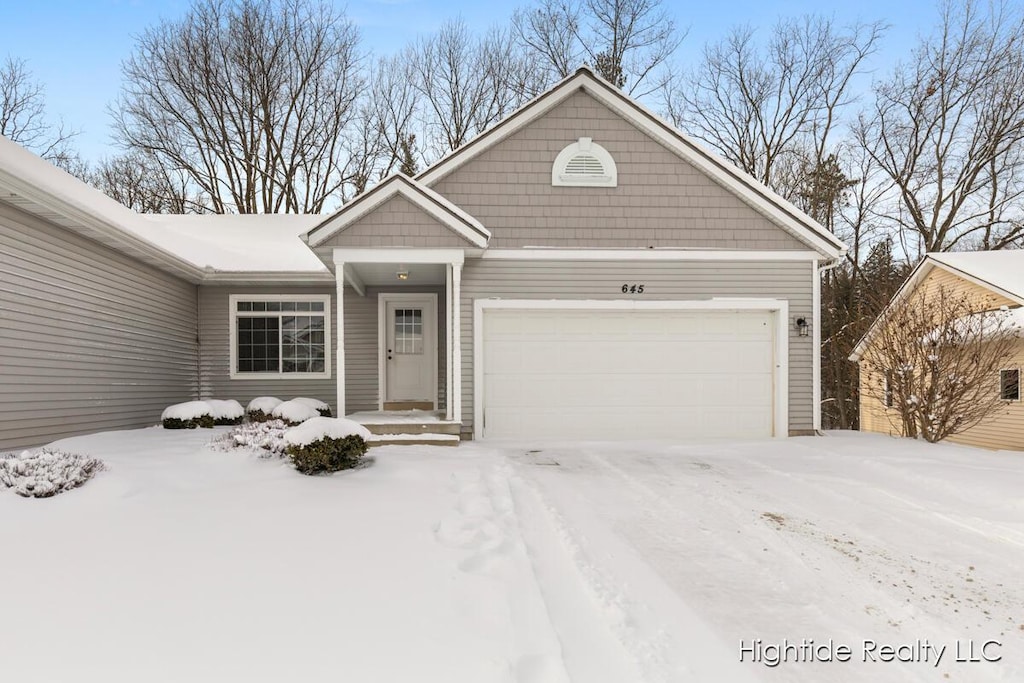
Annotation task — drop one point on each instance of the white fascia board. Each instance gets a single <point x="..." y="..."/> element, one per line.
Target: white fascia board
<point x="427" y="200"/>
<point x="344" y="255"/>
<point x="555" y="254"/>
<point x="779" y="306"/>
<point x="981" y="282"/>
<point x="270" y="277"/>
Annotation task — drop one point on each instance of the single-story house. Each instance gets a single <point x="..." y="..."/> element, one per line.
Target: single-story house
<point x="581" y="271"/>
<point x="987" y="279"/>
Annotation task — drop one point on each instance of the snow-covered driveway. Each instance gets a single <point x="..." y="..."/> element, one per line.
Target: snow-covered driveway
<point x="516" y="563"/>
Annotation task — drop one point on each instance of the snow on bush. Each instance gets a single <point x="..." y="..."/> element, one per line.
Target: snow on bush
<point x="46" y="472"/>
<point x="294" y="412"/>
<point x="324" y="427"/>
<point x="264" y="438"/>
<point x="326" y="444"/>
<point x="188" y="415"/>
<point x="316" y="404"/>
<point x="226" y="412"/>
<point x="261" y="407"/>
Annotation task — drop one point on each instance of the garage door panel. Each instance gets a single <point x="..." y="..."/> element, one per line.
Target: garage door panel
<point x="593" y="374"/>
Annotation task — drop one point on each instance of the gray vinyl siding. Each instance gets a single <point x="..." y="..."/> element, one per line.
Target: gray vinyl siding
<point x="361" y="359"/>
<point x="661" y="200"/>
<point x="90" y="339"/>
<point x="691" y="280"/>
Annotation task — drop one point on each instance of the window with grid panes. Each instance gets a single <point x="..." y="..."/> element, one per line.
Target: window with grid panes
<point x="281" y="336"/>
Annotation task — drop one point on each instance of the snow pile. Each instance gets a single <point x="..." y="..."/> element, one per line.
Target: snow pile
<point x="265" y="404"/>
<point x="226" y="412"/>
<point x="47" y="472"/>
<point x="318" y="428"/>
<point x="295" y="412"/>
<point x="190" y="410"/>
<point x="316" y="404"/>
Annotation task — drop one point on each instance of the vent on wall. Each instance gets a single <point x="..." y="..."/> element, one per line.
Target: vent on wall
<point x="584" y="163"/>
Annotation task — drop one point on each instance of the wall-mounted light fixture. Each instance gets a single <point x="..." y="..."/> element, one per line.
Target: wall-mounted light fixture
<point x="402" y="273"/>
<point x="802" y="326"/>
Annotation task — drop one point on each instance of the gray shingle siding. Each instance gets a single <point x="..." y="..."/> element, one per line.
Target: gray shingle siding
<point x="90" y="339"/>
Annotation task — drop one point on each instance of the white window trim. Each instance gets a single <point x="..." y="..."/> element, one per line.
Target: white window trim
<point x="233" y="300"/>
<point x="780" y="308"/>
<point x="1000" y="388"/>
<point x="559" y="178"/>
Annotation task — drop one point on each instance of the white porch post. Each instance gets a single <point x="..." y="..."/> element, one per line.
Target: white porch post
<point x="456" y="342"/>
<point x="339" y="321"/>
<point x="449" y="336"/>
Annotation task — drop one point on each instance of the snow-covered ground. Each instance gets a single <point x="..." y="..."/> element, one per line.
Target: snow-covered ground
<point x="519" y="563"/>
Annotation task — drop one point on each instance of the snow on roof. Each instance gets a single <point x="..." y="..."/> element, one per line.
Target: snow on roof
<point x="1003" y="269"/>
<point x="236" y="243"/>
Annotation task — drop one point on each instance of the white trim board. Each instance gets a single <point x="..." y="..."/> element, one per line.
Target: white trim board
<point x="556" y="254"/>
<point x="383" y="298"/>
<point x="397" y="255"/>
<point x="780" y="307"/>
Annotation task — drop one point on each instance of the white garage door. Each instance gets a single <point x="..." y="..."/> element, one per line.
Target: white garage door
<point x="627" y="374"/>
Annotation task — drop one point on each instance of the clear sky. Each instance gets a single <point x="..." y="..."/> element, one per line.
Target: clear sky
<point x="75" y="47"/>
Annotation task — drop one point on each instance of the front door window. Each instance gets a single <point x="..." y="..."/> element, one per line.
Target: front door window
<point x="408" y="331"/>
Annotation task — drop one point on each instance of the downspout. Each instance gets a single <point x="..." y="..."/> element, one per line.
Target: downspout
<point x="819" y="271"/>
<point x="198" y="393"/>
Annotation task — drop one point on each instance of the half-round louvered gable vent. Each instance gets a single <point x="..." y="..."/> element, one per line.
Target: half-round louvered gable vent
<point x="584" y="163"/>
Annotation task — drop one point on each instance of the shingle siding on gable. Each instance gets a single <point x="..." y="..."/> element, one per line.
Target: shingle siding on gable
<point x="396" y="223"/>
<point x="660" y="201"/>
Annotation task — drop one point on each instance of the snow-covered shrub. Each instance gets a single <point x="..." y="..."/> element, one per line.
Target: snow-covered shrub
<point x="226" y="412"/>
<point x="188" y="415"/>
<point x="324" y="444"/>
<point x="316" y="404"/>
<point x="46" y="472"/>
<point x="294" y="412"/>
<point x="260" y="408"/>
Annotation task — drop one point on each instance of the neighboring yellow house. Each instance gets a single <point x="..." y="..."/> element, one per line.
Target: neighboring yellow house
<point x="993" y="277"/>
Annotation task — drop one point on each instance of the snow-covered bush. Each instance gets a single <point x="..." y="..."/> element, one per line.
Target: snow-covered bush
<point x="188" y="415"/>
<point x="261" y="407"/>
<point x="228" y="412"/>
<point x="46" y="472"/>
<point x="324" y="444"/>
<point x="295" y="412"/>
<point x="264" y="438"/>
<point x="316" y="404"/>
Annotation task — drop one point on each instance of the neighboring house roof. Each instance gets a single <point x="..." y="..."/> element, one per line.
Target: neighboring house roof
<point x="999" y="271"/>
<point x="245" y="243"/>
<point x="448" y="214"/>
<point x="755" y="194"/>
<point x="40" y="188"/>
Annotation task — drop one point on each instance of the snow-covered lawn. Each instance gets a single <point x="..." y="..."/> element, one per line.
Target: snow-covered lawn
<point x="525" y="563"/>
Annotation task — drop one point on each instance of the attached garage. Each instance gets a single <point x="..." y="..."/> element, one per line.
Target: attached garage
<point x="591" y="370"/>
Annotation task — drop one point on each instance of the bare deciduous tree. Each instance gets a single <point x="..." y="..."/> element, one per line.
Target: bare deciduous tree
<point x="766" y="108"/>
<point x="948" y="129"/>
<point x="251" y="100"/>
<point x="628" y="42"/>
<point x="934" y="359"/>
<point x="142" y="184"/>
<point x="23" y="116"/>
<point x="467" y="83"/>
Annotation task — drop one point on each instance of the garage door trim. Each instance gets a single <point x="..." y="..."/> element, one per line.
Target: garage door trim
<point x="779" y="307"/>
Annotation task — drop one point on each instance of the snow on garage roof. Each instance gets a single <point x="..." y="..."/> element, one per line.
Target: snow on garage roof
<point x="244" y="243"/>
<point x="1003" y="269"/>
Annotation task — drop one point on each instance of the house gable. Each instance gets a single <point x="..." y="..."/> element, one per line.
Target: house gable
<point x="660" y="200"/>
<point x="396" y="223"/>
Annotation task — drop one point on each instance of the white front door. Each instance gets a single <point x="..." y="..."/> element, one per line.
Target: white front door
<point x="410" y="343"/>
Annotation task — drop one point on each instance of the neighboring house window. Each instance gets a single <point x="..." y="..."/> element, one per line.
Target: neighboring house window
<point x="280" y="336"/>
<point x="584" y="163"/>
<point x="887" y="389"/>
<point x="1009" y="385"/>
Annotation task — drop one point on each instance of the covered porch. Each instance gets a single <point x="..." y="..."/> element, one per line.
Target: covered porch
<point x="397" y="325"/>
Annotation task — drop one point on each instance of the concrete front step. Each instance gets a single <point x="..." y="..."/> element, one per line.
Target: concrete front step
<point x="414" y="427"/>
<point x="413" y="440"/>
